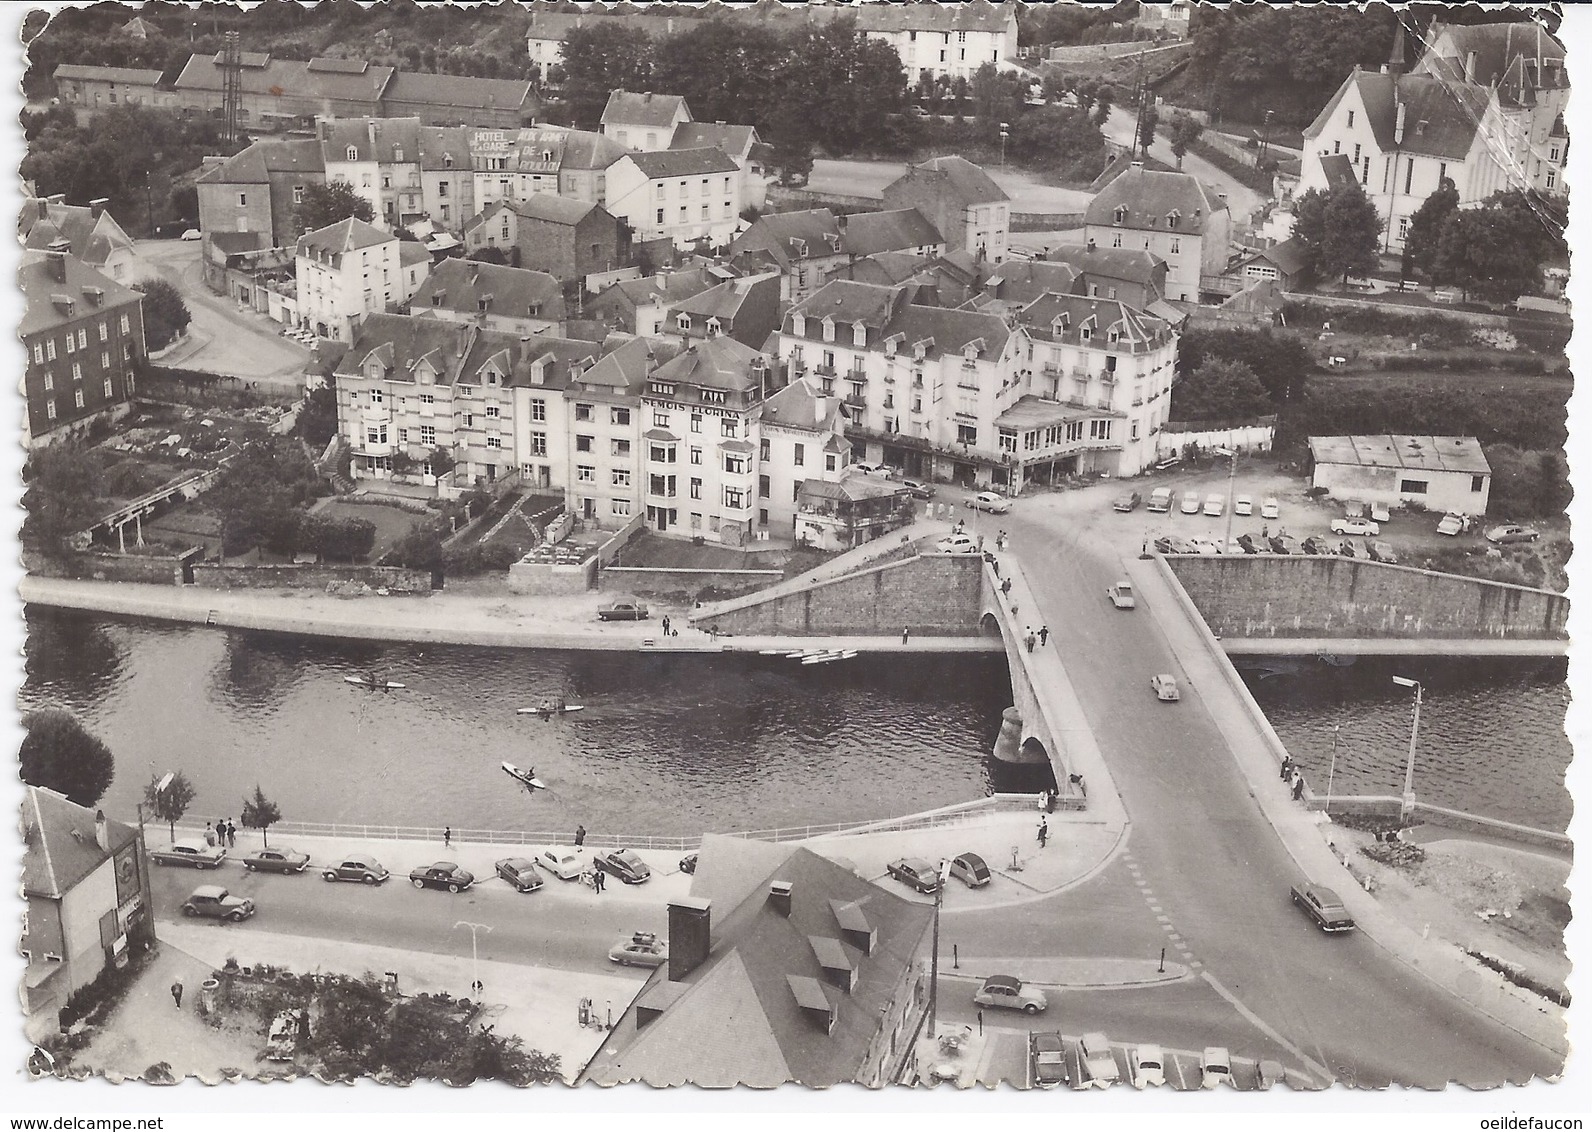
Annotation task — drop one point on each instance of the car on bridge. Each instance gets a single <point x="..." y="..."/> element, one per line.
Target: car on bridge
<point x="1167" y="544"/>
<point x="1250" y="544"/>
<point x="217" y="903"/>
<point x="1009" y="993"/>
<point x="1099" y="1063"/>
<point x="1324" y="906"/>
<point x="1509" y="533"/>
<point x="193" y="852"/>
<point x="957" y="544"/>
<point x="442" y="874"/>
<point x="915" y="872"/>
<point x="277" y="861"/>
<point x="1355" y="527"/>
<point x="1047" y="1063"/>
<point x="1201" y="545"/>
<point x="519" y="872"/>
<point x="365" y="870"/>
<point x="990" y="501"/>
<point x="1121" y="594"/>
<point x="1146" y="1066"/>
<point x="1127" y="501"/>
<point x="1283" y="544"/>
<point x="1348" y="548"/>
<point x="625" y="865"/>
<point x="1165" y="688"/>
<point x="1315" y="544"/>
<point x="623" y="611"/>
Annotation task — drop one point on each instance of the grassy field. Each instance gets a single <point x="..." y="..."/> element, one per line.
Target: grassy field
<point x="392" y="523"/>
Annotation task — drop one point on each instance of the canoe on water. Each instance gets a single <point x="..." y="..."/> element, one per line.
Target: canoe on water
<point x="549" y="709"/>
<point x="378" y="685"/>
<point x="524" y="776"/>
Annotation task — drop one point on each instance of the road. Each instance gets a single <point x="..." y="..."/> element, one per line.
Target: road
<point x="236" y="342"/>
<point x="1241" y="199"/>
<point x="868" y="179"/>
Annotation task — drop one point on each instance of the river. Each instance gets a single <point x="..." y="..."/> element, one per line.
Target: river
<point x="675" y="745"/>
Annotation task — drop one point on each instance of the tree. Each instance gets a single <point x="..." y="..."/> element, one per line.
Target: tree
<point x="722" y="67"/>
<point x="183" y="202"/>
<point x="166" y="316"/>
<point x="1102" y="105"/>
<point x="1220" y="390"/>
<point x="260" y="813"/>
<point x="59" y="498"/>
<point x="326" y="204"/>
<point x="1186" y="130"/>
<point x="1424" y="236"/>
<point x="171" y="803"/>
<point x="1496" y="251"/>
<point x="489" y="253"/>
<point x="59" y="754"/>
<point x="601" y="59"/>
<point x="1060" y="138"/>
<point x="845" y="82"/>
<point x="1340" y="230"/>
<point x="996" y="97"/>
<point x="317" y="419"/>
<point x="1279" y="359"/>
<point x="441" y="460"/>
<point x="1149" y="118"/>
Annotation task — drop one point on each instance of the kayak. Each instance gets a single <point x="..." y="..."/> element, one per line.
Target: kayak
<point x="549" y="709"/>
<point x="526" y="777"/>
<point x="377" y="685"/>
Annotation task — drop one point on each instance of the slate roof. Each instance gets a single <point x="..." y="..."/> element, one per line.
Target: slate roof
<point x="1338" y="170"/>
<point x="625" y="368"/>
<point x="254" y="164"/>
<point x="1134" y="326"/>
<point x="739" y="1020"/>
<point x="460" y="284"/>
<point x="401" y="343"/>
<point x="132" y="76"/>
<point x="889" y="268"/>
<point x="867" y="233"/>
<point x="1506" y="53"/>
<point x="60" y="847"/>
<point x="42" y="292"/>
<point x="349" y="80"/>
<point x="1150" y="196"/>
<point x="665" y="289"/>
<point x="92" y="239"/>
<point x="725" y="300"/>
<point x="1019" y="281"/>
<point x="629" y="108"/>
<point x="963" y="180"/>
<point x="584" y="149"/>
<point x="459" y="91"/>
<point x="553" y="209"/>
<point x="950" y="331"/>
<point x="683" y="162"/>
<point x="438" y="142"/>
<point x="847" y="303"/>
<point x="1290" y="256"/>
<point x="799" y="406"/>
<point x="926" y="15"/>
<point x="790" y="238"/>
<point x="348" y="235"/>
<point x="731" y="139"/>
<point x="1131" y="265"/>
<point x="1425" y="453"/>
<point x="392" y="135"/>
<point x="1440" y="118"/>
<point x="712" y="363"/>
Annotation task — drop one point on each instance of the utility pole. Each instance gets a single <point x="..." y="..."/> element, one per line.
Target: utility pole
<point x="475" y="965"/>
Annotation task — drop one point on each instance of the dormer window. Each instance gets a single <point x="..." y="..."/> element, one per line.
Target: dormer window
<point x="829" y="329"/>
<point x="683" y="321"/>
<point x="436" y="299"/>
<point x="714" y="328"/>
<point x="1113" y="335"/>
<point x="1420" y="127"/>
<point x="859" y="334"/>
<point x="1085" y="333"/>
<point x="397" y="153"/>
<point x="482" y="303"/>
<point x="892" y="344"/>
<point x="1120" y="216"/>
<point x="1172" y="219"/>
<point x="798" y="325"/>
<point x="353" y="154"/>
<point x="447" y="161"/>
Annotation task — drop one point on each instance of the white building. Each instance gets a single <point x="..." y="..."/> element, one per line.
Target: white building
<point x="961" y="201"/>
<point x="346" y="273"/>
<point x="1173" y="216"/>
<point x="379" y="158"/>
<point x="800" y="438"/>
<point x="643" y="121"/>
<point x="953" y="40"/>
<point x="1440" y="473"/>
<point x="686" y="195"/>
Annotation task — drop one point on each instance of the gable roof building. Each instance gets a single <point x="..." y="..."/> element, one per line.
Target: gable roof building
<point x="643" y="121"/>
<point x="746" y="309"/>
<point x="961" y="201"/>
<point x="1174" y="216"/>
<point x="491" y="295"/>
<point x="88" y="233"/>
<point x="816" y="976"/>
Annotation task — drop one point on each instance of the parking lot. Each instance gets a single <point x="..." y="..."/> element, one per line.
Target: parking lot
<point x="1181" y="1068"/>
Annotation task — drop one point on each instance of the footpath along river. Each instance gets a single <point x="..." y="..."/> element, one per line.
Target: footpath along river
<point x="678" y="745"/>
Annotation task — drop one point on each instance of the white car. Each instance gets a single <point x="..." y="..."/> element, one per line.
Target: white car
<point x="991" y="502"/>
<point x="1242" y="505"/>
<point x="1190" y="503"/>
<point x="1451" y="525"/>
<point x="1215" y="505"/>
<point x="1146" y="1066"/>
<point x="957" y="544"/>
<point x="1165" y="688"/>
<point x="1271" y="509"/>
<point x="1121" y="594"/>
<point x="1099" y="1064"/>
<point x="1216" y="1068"/>
<point x="1204" y="545"/>
<point x="191" y="234"/>
<point x="562" y="862"/>
<point x="1355" y="527"/>
<point x="1380" y="513"/>
<point x="866" y="468"/>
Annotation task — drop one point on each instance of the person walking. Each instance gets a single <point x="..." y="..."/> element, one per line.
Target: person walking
<point x="1298" y="785"/>
<point x="210" y="836"/>
<point x="232" y="835"/>
<point x="176" y="993"/>
<point x="1030" y="640"/>
<point x="905" y="634"/>
<point x="580" y="836"/>
<point x="447" y="837"/>
<point x="665" y="624"/>
<point x="1044" y="832"/>
<point x="1287" y="768"/>
<point x="1044" y="632"/>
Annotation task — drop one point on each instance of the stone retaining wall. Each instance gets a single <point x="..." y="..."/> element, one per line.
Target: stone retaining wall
<point x="393" y="578"/>
<point x="694" y="584"/>
<point x="164" y="570"/>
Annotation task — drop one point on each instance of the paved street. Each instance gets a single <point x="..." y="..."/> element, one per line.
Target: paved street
<point x="1241" y="200"/>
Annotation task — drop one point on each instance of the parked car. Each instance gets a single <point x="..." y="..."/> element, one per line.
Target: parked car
<point x="1242" y="505"/>
<point x="688" y="864"/>
<point x="1215" y="504"/>
<point x="1121" y="594"/>
<point x="1283" y="544"/>
<point x="1451" y="525"/>
<point x="1216" y="1067"/>
<point x="442" y="874"/>
<point x="277" y="861"/>
<point x="1165" y="688"/>
<point x="866" y="467"/>
<point x="366" y="870"/>
<point x="1382" y="552"/>
<point x="1146" y="1066"/>
<point x="1324" y="906"/>
<point x="192" y="234"/>
<point x="1353" y="509"/>
<point x="1201" y="545"/>
<point x="642" y="949"/>
<point x="1355" y="527"/>
<point x="957" y="544"/>
<point x="1315" y="544"/>
<point x="565" y="864"/>
<point x="1189" y="504"/>
<point x="625" y="865"/>
<point x="519" y="872"/>
<point x="192" y="852"/>
<point x="1271" y="509"/>
<point x="1099" y="1063"/>
<point x="991" y="502"/>
<point x="1008" y="992"/>
<point x="1250" y="544"/>
<point x="1269" y="1073"/>
<point x="1047" y="1059"/>
<point x="216" y="902"/>
<point x="970" y="869"/>
<point x="1348" y="548"/>
<point x="1512" y="533"/>
<point x="915" y="872"/>
<point x="1380" y="513"/>
<point x="622" y="611"/>
<point x="918" y="489"/>
<point x="1127" y="501"/>
<point x="1160" y="501"/>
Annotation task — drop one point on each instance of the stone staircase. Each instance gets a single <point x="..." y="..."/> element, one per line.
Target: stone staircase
<point x="327" y="466"/>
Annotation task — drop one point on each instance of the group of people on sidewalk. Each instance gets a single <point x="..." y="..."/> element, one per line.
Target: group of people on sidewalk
<point x="222" y="834"/>
<point x="1295" y="780"/>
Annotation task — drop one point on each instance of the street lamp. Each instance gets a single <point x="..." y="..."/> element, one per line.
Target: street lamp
<point x="1265" y="138"/>
<point x="1408" y="802"/>
<point x="934" y="956"/>
<point x="475" y="965"/>
<point x="1232" y="471"/>
<point x="1006" y="130"/>
<point x="1332" y="767"/>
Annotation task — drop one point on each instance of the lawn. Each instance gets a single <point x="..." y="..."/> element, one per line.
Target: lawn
<point x="392" y="523"/>
<point x="654" y="552"/>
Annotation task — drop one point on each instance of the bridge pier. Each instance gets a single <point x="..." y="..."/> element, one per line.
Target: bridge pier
<point x="1019" y="765"/>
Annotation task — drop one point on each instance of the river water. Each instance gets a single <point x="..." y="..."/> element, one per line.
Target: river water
<point x="682" y="744"/>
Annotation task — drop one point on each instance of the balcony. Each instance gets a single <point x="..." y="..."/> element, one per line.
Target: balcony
<point x="824" y="371"/>
<point x="859" y="375"/>
<point x="1108" y="378"/>
<point x="855" y="403"/>
<point x="1051" y="369"/>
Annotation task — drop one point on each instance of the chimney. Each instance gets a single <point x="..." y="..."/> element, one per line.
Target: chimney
<point x="1090" y="246"/>
<point x="57" y="262"/>
<point x="370" y="129"/>
<point x="840" y="221"/>
<point x="690" y="935"/>
<point x="96" y="208"/>
<point x="779" y="893"/>
<point x="820" y="411"/>
<point x="1395" y="60"/>
<point x="1398" y="126"/>
<point x="1470" y="67"/>
<point x="102" y="833"/>
<point x="459" y="341"/>
<point x="56" y="198"/>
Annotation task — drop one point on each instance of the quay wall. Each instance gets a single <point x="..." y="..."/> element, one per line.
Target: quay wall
<point x="395" y="579"/>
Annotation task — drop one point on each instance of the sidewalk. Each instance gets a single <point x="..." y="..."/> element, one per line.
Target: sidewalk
<point x="1255" y="747"/>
